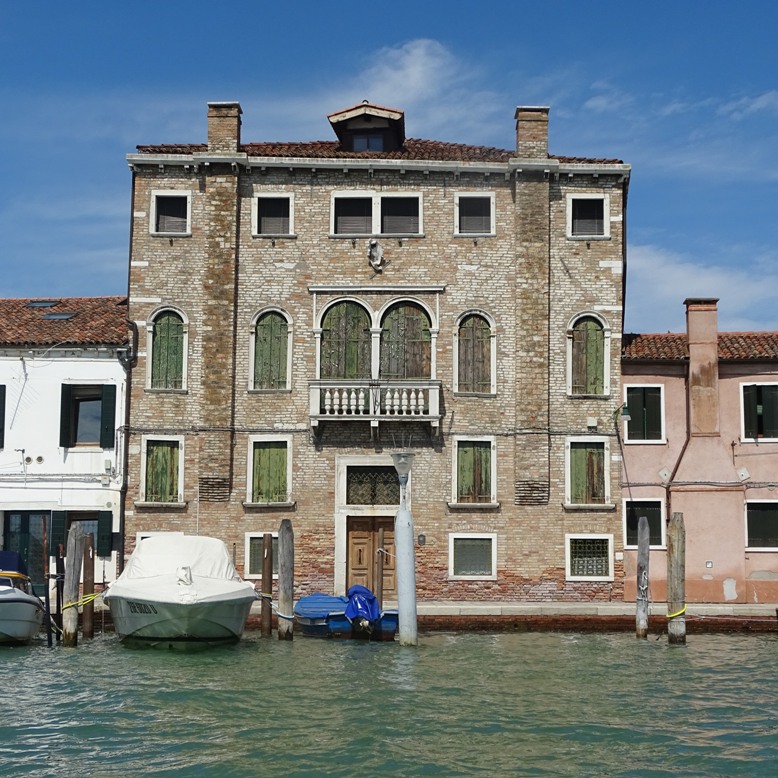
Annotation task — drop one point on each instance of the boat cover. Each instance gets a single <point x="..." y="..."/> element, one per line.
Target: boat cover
<point x="319" y="605"/>
<point x="11" y="562"/>
<point x="162" y="564"/>
<point x="362" y="604"/>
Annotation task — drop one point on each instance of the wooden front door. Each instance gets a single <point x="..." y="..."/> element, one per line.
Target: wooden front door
<point x="362" y="553"/>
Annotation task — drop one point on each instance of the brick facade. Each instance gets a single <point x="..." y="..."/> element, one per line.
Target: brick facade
<point x="528" y="278"/>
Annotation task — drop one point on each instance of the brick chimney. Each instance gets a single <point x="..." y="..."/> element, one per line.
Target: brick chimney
<point x="703" y="334"/>
<point x="532" y="132"/>
<point x="224" y="127"/>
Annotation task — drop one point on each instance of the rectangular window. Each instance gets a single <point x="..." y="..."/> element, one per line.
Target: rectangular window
<point x="588" y="216"/>
<point x="87" y="416"/>
<point x="762" y="521"/>
<point x="273" y="215"/>
<point x="474" y="214"/>
<point x="368" y="213"/>
<point x="255" y="556"/>
<point x="652" y="510"/>
<point x="760" y="411"/>
<point x="589" y="557"/>
<point x="368" y="142"/>
<point x="99" y="524"/>
<point x="372" y="485"/>
<point x="472" y="556"/>
<point x="645" y="410"/>
<point x="269" y="470"/>
<point x="170" y="213"/>
<point x="474" y="476"/>
<point x="587" y="482"/>
<point x="162" y="475"/>
<point x="2" y="415"/>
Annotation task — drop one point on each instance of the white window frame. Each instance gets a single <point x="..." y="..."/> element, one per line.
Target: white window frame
<point x="453" y="537"/>
<point x="606" y="356"/>
<point x="146" y="439"/>
<point x="258" y="195"/>
<point x="605" y="441"/>
<point x="772" y="549"/>
<point x="493" y="218"/>
<point x="157" y="193"/>
<point x="492" y="440"/>
<point x="588" y="536"/>
<point x="743" y="438"/>
<point x="625" y="504"/>
<point x="252" y="349"/>
<point x="606" y="221"/>
<point x="376" y="198"/>
<point x="287" y="438"/>
<point x="247" y="537"/>
<point x="150" y="346"/>
<point x="625" y="425"/>
<point x="492" y="354"/>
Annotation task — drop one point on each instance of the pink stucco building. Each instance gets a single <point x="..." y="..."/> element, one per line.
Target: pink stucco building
<point x="702" y="440"/>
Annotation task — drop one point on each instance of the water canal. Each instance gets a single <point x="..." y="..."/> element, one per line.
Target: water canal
<point x="529" y="704"/>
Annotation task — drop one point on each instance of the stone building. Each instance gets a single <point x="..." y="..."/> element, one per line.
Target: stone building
<point x="305" y="309"/>
<point x="702" y="441"/>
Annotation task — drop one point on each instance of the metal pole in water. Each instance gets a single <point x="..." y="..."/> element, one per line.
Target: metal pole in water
<point x="405" y="561"/>
<point x="641" y="610"/>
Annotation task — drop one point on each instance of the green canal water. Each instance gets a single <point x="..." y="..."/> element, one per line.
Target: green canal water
<point x="535" y="704"/>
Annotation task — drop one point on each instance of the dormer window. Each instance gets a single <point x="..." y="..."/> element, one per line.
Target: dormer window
<point x="368" y="142"/>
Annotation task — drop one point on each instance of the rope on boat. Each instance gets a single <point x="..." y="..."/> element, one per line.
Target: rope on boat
<point x="269" y="599"/>
<point x="83" y="601"/>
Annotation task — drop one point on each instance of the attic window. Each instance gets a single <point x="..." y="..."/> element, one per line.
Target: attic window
<point x="58" y="316"/>
<point x="42" y="303"/>
<point x="368" y="142"/>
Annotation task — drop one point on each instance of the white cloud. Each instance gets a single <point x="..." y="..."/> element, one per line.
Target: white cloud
<point x="745" y="106"/>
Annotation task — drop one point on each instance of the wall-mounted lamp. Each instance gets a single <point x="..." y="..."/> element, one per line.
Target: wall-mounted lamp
<point x="625" y="415"/>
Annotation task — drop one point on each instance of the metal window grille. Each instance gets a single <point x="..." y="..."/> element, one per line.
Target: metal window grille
<point x="377" y="485"/>
<point x="589" y="557"/>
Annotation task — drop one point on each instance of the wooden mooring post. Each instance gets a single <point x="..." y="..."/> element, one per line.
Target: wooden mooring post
<point x="74" y="556"/>
<point x="676" y="580"/>
<point x="641" y="608"/>
<point x="285" y="580"/>
<point x="266" y="612"/>
<point x="88" y="614"/>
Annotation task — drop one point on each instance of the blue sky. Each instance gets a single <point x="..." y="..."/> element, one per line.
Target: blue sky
<point x="686" y="92"/>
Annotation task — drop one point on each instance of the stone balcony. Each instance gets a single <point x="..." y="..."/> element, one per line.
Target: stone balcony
<point x="345" y="400"/>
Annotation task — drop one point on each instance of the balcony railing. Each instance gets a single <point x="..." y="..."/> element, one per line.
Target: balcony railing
<point x="375" y="401"/>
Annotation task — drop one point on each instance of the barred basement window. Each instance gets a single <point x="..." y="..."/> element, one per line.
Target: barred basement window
<point x="589" y="557"/>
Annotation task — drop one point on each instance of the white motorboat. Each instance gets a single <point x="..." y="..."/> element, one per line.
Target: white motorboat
<point x="21" y="612"/>
<point x="180" y="587"/>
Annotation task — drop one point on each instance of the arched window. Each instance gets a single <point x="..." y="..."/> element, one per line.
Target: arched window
<point x="167" y="351"/>
<point x="405" y="343"/>
<point x="271" y="347"/>
<point x="345" y="342"/>
<point x="588" y="357"/>
<point x="474" y="355"/>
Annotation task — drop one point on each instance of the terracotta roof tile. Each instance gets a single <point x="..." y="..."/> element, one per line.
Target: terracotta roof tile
<point x="412" y="149"/>
<point x="76" y="321"/>
<point x="673" y="346"/>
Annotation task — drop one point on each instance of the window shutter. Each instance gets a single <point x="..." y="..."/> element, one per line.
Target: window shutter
<point x="66" y="417"/>
<point x="354" y="216"/>
<point x="474" y="355"/>
<point x="57" y="532"/>
<point x="750" y="420"/>
<point x="2" y="415"/>
<point x="770" y="411"/>
<point x="270" y="352"/>
<point x="405" y="343"/>
<point x="400" y="215"/>
<point x="653" y="411"/>
<point x="167" y="358"/>
<point x="104" y="541"/>
<point x="345" y="342"/>
<point x="269" y="472"/>
<point x="588" y="357"/>
<point x="108" y="416"/>
<point x="162" y="471"/>
<point x="465" y="474"/>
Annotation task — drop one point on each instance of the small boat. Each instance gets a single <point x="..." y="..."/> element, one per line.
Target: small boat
<point x="21" y="612"/>
<point x="355" y="616"/>
<point x="180" y="588"/>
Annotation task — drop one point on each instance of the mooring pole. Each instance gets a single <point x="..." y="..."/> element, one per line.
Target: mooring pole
<point x="266" y="612"/>
<point x="88" y="615"/>
<point x="59" y="583"/>
<point x="405" y="561"/>
<point x="641" y="609"/>
<point x="285" y="580"/>
<point x="75" y="553"/>
<point x="676" y="580"/>
<point x="46" y="578"/>
<point x="378" y="584"/>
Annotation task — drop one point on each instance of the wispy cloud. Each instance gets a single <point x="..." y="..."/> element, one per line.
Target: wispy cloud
<point x="739" y="109"/>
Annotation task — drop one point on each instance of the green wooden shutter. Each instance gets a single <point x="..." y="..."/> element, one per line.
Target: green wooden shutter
<point x="269" y="472"/>
<point x="770" y="411"/>
<point x="653" y="413"/>
<point x="167" y="353"/>
<point x="474" y="471"/>
<point x="104" y="540"/>
<point x="588" y="357"/>
<point x="58" y="531"/>
<point x="405" y="343"/>
<point x="2" y="415"/>
<point x="108" y="416"/>
<point x="474" y="355"/>
<point x="587" y="473"/>
<point x="750" y="417"/>
<point x="66" y="417"/>
<point x="346" y="342"/>
<point x="162" y="471"/>
<point x="270" y="352"/>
